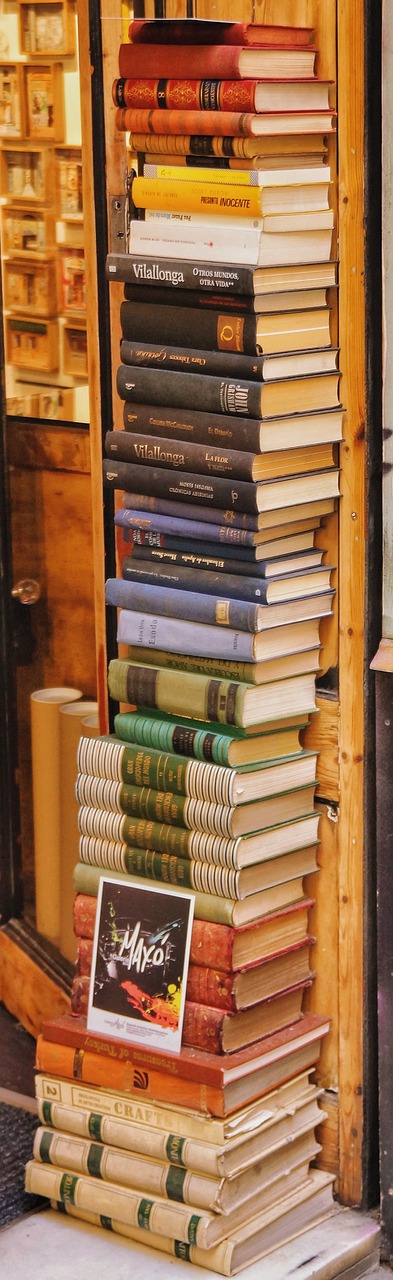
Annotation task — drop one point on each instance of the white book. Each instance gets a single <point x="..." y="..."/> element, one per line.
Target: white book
<point x="184" y="240"/>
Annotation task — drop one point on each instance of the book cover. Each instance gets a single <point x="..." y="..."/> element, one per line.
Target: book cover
<point x="275" y="364"/>
<point x="226" y="279"/>
<point x="227" y="396"/>
<point x="141" y="946"/>
<point x="212" y="31"/>
<point x="242" y="124"/>
<point x="217" y="610"/>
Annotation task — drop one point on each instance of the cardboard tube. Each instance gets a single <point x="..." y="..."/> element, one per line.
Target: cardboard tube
<point x="71" y="729"/>
<point x="45" y="750"/>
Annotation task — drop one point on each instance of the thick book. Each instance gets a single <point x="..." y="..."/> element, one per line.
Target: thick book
<point x="138" y="1171"/>
<point x="224" y="701"/>
<point x="281" y="588"/>
<point x="219" y="611"/>
<point x="187" y="327"/>
<point x="205" y="148"/>
<point x="218" y="743"/>
<point x="218" y="241"/>
<point x="242" y="303"/>
<point x="222" y="95"/>
<point x="208" y="1148"/>
<point x="212" y="31"/>
<point x="293" y="182"/>
<point x="275" y="364"/>
<point x="111" y="827"/>
<point x="217" y="946"/>
<point x="276" y="208"/>
<point x="228" y="279"/>
<point x="292" y="431"/>
<point x="182" y="455"/>
<point x="208" y="459"/>
<point x="111" y="757"/>
<point x="307" y="1202"/>
<point x="218" y="62"/>
<point x="235" y="526"/>
<point x="203" y="877"/>
<point x="227" y="395"/>
<point x="207" y="906"/>
<point x="243" y="124"/>
<point x="243" y="1068"/>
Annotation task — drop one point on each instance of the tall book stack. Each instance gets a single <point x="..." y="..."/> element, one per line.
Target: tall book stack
<point x="227" y="467"/>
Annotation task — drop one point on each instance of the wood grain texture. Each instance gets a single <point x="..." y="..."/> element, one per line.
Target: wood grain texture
<point x="322" y="734"/>
<point x="323" y="997"/>
<point x="352" y="578"/>
<point x="28" y="993"/>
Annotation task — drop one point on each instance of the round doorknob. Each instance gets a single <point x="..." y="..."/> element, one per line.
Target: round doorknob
<point x="27" y="591"/>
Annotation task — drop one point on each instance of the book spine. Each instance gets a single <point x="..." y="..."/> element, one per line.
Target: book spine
<point x="199" y="146"/>
<point x="186" y="95"/>
<point x="180" y="275"/>
<point x="129" y="1135"/>
<point x="196" y="197"/>
<point x="143" y="766"/>
<point x="133" y="1114"/>
<point x="160" y="837"/>
<point x="114" y="1201"/>
<point x="125" y="1168"/>
<point x="199" y="697"/>
<point x="84" y="914"/>
<point x="182" y="739"/>
<point x="221" y="124"/>
<point x="182" y="455"/>
<point x="190" y="605"/>
<point x="233" y="670"/>
<point x="149" y="865"/>
<point x="182" y="390"/>
<point x="216" y="363"/>
<point x="193" y="425"/>
<point x="198" y="560"/>
<point x="208" y="491"/>
<point x="206" y="299"/>
<point x="183" y="577"/>
<point x="233" y="650"/>
<point x="84" y="955"/>
<point x="157" y="806"/>
<point x="187" y="327"/>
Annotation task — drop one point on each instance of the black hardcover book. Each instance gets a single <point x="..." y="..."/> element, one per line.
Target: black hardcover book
<point x="261" y="590"/>
<point x="218" y="492"/>
<point x="180" y="454"/>
<point x="227" y="395"/>
<point x="188" y="327"/>
<point x="207" y="299"/>
<point x="220" y="564"/>
<point x="159" y="355"/>
<point x="178" y="274"/>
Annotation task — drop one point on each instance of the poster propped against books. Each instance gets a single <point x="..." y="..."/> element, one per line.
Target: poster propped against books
<point x="140" y="963"/>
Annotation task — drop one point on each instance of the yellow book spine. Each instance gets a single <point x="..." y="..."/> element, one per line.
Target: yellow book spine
<point x="195" y="197"/>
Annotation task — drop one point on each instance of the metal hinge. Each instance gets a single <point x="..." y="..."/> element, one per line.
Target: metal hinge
<point x="120" y="216"/>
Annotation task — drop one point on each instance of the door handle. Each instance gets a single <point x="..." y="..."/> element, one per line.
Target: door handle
<point x="27" y="591"/>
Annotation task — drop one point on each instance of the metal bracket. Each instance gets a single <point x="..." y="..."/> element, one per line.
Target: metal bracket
<point x="119" y="215"/>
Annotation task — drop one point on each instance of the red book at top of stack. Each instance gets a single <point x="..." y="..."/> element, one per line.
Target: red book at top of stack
<point x="208" y="31"/>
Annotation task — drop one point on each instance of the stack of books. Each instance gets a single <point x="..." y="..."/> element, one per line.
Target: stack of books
<point x="227" y="466"/>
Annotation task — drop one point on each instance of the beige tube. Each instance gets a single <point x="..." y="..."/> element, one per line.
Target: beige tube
<point x="45" y="750"/>
<point x="71" y="729"/>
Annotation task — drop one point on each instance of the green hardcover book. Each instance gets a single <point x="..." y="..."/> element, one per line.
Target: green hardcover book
<point x="223" y="744"/>
<point x="245" y="851"/>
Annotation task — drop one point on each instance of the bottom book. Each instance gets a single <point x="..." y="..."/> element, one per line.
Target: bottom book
<point x="276" y="1224"/>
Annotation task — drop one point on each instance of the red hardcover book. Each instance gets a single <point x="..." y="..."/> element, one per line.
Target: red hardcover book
<point x="202" y="31"/>
<point x="221" y="95"/>
<point x="218" y="946"/>
<point x="221" y="124"/>
<point x="74" y="1044"/>
<point x="217" y="62"/>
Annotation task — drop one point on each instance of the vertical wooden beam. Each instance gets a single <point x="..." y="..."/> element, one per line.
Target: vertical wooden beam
<point x="351" y="609"/>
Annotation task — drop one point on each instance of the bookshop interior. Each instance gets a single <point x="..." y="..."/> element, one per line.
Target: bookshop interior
<point x="196" y="638"/>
